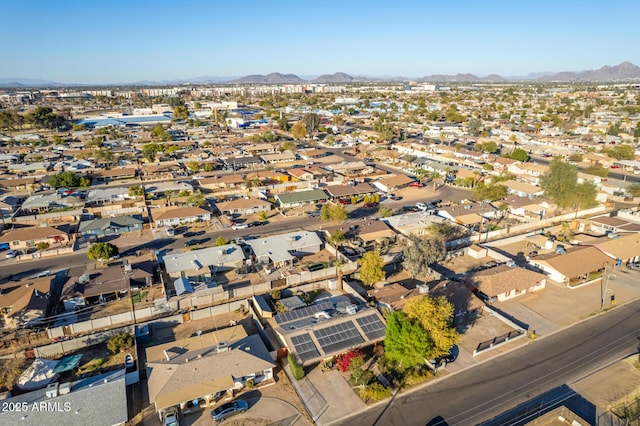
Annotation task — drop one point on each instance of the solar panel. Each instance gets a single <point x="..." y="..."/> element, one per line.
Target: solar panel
<point x="338" y="337"/>
<point x="304" y="347"/>
<point x="297" y="314"/>
<point x="372" y="326"/>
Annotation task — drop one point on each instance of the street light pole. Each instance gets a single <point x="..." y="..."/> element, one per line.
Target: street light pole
<point x="604" y="271"/>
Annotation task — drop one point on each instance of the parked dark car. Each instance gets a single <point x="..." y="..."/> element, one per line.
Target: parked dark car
<point x="369" y="205"/>
<point x="190" y="234"/>
<point x="634" y="266"/>
<point x="193" y="242"/>
<point x="259" y="223"/>
<point x="410" y="209"/>
<point x="229" y="409"/>
<point x="395" y="197"/>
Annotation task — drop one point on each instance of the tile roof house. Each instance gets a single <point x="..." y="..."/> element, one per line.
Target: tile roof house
<point x="205" y="368"/>
<point x="100" y="399"/>
<point x="573" y="267"/>
<point x="392" y="182"/>
<point x="171" y="217"/>
<point x="27" y="237"/>
<point x="24" y="302"/>
<point x="521" y="189"/>
<point x="505" y="282"/>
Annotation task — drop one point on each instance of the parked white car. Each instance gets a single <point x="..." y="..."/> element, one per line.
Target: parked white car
<point x="422" y="206"/>
<point x="11" y="254"/>
<point x="240" y="226"/>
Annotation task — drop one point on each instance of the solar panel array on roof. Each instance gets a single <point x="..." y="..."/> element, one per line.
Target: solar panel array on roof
<point x="297" y="314"/>
<point x="338" y="337"/>
<point x="372" y="326"/>
<point x="304" y="347"/>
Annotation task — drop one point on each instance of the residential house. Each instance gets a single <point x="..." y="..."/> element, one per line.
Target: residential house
<point x="502" y="164"/>
<point x="466" y="306"/>
<point x="261" y="149"/>
<point x="18" y="184"/>
<point x="99" y="399"/>
<point x="525" y="207"/>
<point x="367" y="231"/>
<point x="177" y="216"/>
<point x="102" y="175"/>
<point x="578" y="265"/>
<point x="163" y="170"/>
<point x="413" y="223"/>
<point x="469" y="214"/>
<point x="521" y="189"/>
<point x="31" y="236"/>
<point x="244" y="206"/>
<point x="170" y="189"/>
<point x="201" y="266"/>
<point x="237" y="163"/>
<point x="300" y="198"/>
<point x="110" y="226"/>
<point x="624" y="249"/>
<point x="26" y="301"/>
<point x="328" y="328"/>
<point x="616" y="225"/>
<point x="352" y="169"/>
<point x="222" y="182"/>
<point x="348" y="191"/>
<point x="281" y="250"/>
<point x="505" y="282"/>
<point x="196" y="372"/>
<point x="43" y="203"/>
<point x="107" y="284"/>
<point x="100" y="196"/>
<point x="392" y="183"/>
<point x="281" y="157"/>
<point x="310" y="154"/>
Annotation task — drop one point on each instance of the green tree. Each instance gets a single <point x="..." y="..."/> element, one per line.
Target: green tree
<point x="332" y="212"/>
<point x="66" y="179"/>
<point x="337" y="236"/>
<point x="489" y="147"/>
<point x="406" y="342"/>
<point x="296" y="368"/>
<point x="634" y="190"/>
<point x="311" y="121"/>
<point x="286" y="146"/>
<point x="149" y="151"/>
<point x="221" y="241"/>
<point x="136" y="191"/>
<point x="120" y="342"/>
<point x="104" y="156"/>
<point x="385" y="212"/>
<point x="159" y="132"/>
<point x="597" y="170"/>
<point x="44" y="118"/>
<point x="102" y="251"/>
<point x="575" y="157"/>
<point x="560" y="182"/>
<point x="622" y="152"/>
<point x="196" y="199"/>
<point x="193" y="166"/>
<point x="475" y="125"/>
<point x="420" y="252"/>
<point x="491" y="192"/>
<point x="518" y="154"/>
<point x="371" y="268"/>
<point x="180" y="112"/>
<point x="434" y="315"/>
<point x="299" y="130"/>
<point x="79" y="127"/>
<point x="584" y="195"/>
<point x="283" y="124"/>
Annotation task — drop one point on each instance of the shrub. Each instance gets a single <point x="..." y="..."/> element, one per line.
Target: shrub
<point x="296" y="368"/>
<point x="250" y="383"/>
<point x="344" y="360"/>
<point x="42" y="245"/>
<point x="374" y="392"/>
<point x="276" y="295"/>
<point x="120" y="342"/>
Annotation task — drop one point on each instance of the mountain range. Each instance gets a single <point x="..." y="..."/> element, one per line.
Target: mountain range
<point x="626" y="71"/>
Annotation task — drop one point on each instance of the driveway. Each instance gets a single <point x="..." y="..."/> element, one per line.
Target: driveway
<point x="262" y="411"/>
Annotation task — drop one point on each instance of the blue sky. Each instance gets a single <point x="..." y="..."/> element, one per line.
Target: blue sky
<point x="122" y="41"/>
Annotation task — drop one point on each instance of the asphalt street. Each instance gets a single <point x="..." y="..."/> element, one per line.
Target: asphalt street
<point x="487" y="389"/>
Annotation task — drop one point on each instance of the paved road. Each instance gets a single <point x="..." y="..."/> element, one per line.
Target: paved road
<point x="485" y="390"/>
